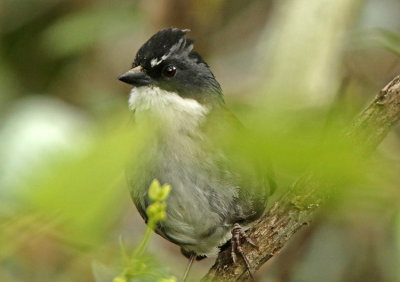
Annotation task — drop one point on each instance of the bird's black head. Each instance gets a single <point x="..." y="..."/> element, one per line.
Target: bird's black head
<point x="167" y="60"/>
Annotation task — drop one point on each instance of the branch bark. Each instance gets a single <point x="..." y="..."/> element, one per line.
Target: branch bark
<point x="298" y="205"/>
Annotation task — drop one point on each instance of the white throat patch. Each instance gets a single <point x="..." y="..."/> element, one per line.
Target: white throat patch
<point x="168" y="106"/>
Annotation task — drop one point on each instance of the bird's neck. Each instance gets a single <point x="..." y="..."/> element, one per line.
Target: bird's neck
<point x="174" y="113"/>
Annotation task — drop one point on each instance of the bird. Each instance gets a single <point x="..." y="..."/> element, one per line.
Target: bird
<point x="212" y="200"/>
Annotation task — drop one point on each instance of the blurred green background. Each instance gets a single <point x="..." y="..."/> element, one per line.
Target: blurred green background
<point x="294" y="71"/>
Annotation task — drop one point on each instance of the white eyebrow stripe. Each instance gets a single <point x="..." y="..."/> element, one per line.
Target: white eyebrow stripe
<point x="165" y="57"/>
<point x="175" y="47"/>
<point x="155" y="61"/>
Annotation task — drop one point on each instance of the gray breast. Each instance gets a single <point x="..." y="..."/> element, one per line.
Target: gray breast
<point x="201" y="203"/>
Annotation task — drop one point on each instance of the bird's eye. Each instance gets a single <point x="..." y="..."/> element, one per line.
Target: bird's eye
<point x="169" y="71"/>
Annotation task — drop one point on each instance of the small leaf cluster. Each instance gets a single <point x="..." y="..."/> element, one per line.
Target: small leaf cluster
<point x="141" y="265"/>
<point x="158" y="194"/>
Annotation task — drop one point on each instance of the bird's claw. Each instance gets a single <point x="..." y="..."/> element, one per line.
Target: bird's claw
<point x="237" y="234"/>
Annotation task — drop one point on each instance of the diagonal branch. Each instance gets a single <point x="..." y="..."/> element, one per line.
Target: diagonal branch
<point x="298" y="205"/>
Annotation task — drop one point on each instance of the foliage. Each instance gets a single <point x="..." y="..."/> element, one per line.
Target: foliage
<point x="139" y="265"/>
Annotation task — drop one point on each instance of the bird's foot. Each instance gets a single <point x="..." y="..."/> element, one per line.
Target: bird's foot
<point x="237" y="234"/>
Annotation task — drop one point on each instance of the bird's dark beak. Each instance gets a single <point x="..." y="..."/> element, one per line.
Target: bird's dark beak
<point x="135" y="77"/>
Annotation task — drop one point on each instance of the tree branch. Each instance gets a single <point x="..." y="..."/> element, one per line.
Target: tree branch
<point x="297" y="206"/>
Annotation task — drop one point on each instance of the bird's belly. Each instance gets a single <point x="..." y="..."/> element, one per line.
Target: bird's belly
<point x="198" y="207"/>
